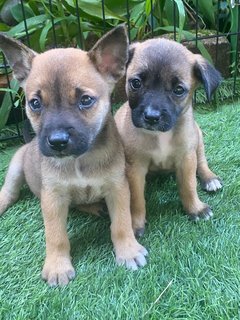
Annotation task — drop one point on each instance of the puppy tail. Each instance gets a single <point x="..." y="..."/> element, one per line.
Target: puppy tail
<point x="13" y="181"/>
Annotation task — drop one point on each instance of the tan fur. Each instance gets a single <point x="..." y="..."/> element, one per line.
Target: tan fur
<point x="68" y="181"/>
<point x="180" y="149"/>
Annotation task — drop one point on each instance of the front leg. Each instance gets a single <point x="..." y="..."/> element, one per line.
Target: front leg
<point x="136" y="177"/>
<point x="128" y="251"/>
<point x="58" y="269"/>
<point x="209" y="181"/>
<point x="187" y="184"/>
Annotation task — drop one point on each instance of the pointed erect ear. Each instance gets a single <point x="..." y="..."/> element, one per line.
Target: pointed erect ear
<point x="18" y="55"/>
<point x="110" y="54"/>
<point x="207" y="75"/>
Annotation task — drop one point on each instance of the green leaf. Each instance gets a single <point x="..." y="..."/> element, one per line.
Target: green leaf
<point x="43" y="36"/>
<point x="139" y="21"/>
<point x="4" y="27"/>
<point x="32" y="23"/>
<point x="204" y="51"/>
<point x="181" y="14"/>
<point x="94" y="8"/>
<point x="206" y="8"/>
<point x="234" y="29"/>
<point x="48" y="26"/>
<point x="2" y="2"/>
<point x="119" y="7"/>
<point x="188" y="36"/>
<point x="168" y="19"/>
<point x="17" y="12"/>
<point x="149" y="6"/>
<point x="7" y="102"/>
<point x="35" y="7"/>
<point x="137" y="13"/>
<point x="69" y="8"/>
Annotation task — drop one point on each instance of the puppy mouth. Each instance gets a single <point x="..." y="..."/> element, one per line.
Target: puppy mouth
<point x="62" y="154"/>
<point x="162" y="126"/>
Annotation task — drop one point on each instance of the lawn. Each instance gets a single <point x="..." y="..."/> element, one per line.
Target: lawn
<point x="193" y="270"/>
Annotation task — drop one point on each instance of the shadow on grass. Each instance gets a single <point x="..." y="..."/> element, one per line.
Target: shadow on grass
<point x="87" y="234"/>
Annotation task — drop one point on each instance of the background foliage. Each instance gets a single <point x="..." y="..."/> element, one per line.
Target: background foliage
<point x="80" y="23"/>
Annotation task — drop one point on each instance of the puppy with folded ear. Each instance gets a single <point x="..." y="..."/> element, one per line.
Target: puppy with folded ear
<point x="157" y="124"/>
<point x="77" y="157"/>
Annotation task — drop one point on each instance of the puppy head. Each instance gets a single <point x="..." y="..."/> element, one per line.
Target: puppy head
<point x="68" y="90"/>
<point x="161" y="78"/>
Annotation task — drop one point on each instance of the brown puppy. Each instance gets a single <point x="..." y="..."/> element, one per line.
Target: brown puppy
<point x="77" y="156"/>
<point x="157" y="124"/>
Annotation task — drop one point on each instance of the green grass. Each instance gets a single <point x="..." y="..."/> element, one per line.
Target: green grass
<point x="193" y="270"/>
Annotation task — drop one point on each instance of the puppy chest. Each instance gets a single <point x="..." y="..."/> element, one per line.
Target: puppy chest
<point x="87" y="194"/>
<point x="161" y="161"/>
<point x="80" y="190"/>
<point x="161" y="157"/>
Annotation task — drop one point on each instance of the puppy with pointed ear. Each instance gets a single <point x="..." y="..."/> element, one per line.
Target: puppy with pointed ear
<point x="157" y="124"/>
<point x="77" y="157"/>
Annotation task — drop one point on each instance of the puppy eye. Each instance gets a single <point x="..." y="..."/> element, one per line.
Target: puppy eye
<point x="86" y="101"/>
<point x="135" y="83"/>
<point x="179" y="90"/>
<point x="35" y="104"/>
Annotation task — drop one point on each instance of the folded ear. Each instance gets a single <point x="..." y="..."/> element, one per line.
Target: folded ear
<point x="110" y="53"/>
<point x="131" y="52"/>
<point x="207" y="75"/>
<point x="18" y="55"/>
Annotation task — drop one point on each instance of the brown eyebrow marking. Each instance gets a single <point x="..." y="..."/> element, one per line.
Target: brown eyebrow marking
<point x="78" y="93"/>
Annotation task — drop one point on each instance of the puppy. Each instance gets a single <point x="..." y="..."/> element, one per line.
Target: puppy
<point x="157" y="124"/>
<point x="77" y="156"/>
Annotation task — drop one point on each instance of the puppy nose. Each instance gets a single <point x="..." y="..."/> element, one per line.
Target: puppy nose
<point x="58" y="140"/>
<point x="151" y="116"/>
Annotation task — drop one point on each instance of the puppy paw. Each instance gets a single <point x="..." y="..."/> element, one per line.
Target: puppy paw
<point x="212" y="185"/>
<point x="131" y="254"/>
<point x="204" y="214"/>
<point x="58" y="271"/>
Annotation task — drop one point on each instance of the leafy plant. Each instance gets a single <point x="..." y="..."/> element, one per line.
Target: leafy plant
<point x="7" y="101"/>
<point x="70" y="23"/>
